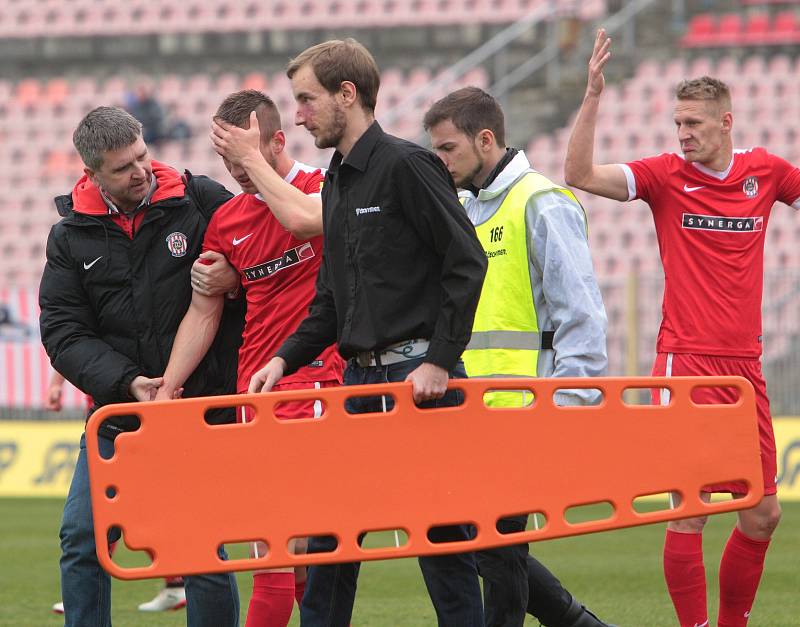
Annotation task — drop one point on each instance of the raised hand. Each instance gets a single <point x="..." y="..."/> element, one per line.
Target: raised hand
<point x="600" y="56"/>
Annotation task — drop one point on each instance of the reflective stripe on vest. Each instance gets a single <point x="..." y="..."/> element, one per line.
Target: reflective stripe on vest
<point x="525" y="340"/>
<point x="505" y="337"/>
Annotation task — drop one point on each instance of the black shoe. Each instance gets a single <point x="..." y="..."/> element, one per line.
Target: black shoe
<point x="578" y="616"/>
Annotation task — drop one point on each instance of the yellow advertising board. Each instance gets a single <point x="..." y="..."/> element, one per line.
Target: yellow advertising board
<point x="37" y="457"/>
<point x="787" y="441"/>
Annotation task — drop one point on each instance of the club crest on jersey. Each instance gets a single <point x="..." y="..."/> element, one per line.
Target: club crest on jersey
<point x="750" y="186"/>
<point x="177" y="244"/>
<point x="291" y="257"/>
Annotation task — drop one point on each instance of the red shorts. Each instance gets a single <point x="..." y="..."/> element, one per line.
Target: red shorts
<point x="293" y="410"/>
<point x="685" y="364"/>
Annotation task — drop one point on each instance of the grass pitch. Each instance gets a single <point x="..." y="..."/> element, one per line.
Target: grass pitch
<point x="617" y="574"/>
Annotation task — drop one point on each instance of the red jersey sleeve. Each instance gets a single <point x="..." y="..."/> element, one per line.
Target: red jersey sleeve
<point x="313" y="184"/>
<point x="649" y="175"/>
<point x="787" y="180"/>
<point x="212" y="240"/>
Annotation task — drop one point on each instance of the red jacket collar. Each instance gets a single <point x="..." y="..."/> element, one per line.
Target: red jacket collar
<point x="86" y="196"/>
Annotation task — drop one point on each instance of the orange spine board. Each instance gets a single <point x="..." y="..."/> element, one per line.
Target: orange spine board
<point x="409" y="468"/>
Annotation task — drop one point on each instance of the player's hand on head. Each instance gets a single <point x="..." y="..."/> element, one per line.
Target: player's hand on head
<point x="145" y="389"/>
<point x="212" y="275"/>
<point x="234" y="143"/>
<point x="429" y="382"/>
<point x="600" y="56"/>
<point x="266" y="378"/>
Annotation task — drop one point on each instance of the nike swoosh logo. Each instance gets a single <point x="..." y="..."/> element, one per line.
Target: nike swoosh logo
<point x="237" y="241"/>
<point x="686" y="188"/>
<point x="86" y="266"/>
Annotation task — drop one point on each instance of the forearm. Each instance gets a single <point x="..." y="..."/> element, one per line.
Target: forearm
<point x="579" y="160"/>
<point x="193" y="339"/>
<point x="299" y="213"/>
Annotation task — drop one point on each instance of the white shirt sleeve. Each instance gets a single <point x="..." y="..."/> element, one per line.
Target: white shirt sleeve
<point x="630" y="178"/>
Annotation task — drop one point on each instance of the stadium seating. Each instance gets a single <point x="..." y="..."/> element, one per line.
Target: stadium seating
<point x="107" y="17"/>
<point x="759" y="29"/>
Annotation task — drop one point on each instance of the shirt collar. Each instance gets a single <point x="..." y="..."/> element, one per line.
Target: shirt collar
<point x="113" y="209"/>
<point x="501" y="165"/>
<point x="714" y="173"/>
<point x="359" y="154"/>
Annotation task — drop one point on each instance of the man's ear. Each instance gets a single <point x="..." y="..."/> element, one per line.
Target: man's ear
<point x="727" y="122"/>
<point x="278" y="141"/>
<point x="485" y="140"/>
<point x="349" y="93"/>
<point x="91" y="176"/>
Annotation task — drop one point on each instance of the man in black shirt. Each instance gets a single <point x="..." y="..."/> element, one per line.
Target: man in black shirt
<point x="397" y="290"/>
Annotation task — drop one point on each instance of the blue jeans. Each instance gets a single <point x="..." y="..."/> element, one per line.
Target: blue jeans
<point x="452" y="580"/>
<point x="211" y="600"/>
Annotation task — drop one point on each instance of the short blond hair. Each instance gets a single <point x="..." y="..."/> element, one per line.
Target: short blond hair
<point x="336" y="61"/>
<point x="705" y="88"/>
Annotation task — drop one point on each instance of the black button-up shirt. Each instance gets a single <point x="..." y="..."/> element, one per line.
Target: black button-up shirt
<point x="401" y="259"/>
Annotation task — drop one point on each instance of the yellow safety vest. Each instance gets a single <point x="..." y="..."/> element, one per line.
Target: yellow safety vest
<point x="506" y="338"/>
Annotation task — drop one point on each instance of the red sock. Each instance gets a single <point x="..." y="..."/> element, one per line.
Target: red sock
<point x="272" y="601"/>
<point x="299" y="590"/>
<point x="686" y="577"/>
<point x="174" y="582"/>
<point x="739" y="573"/>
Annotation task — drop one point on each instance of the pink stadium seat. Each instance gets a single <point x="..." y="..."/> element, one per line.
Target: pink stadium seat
<point x="56" y="91"/>
<point x="780" y="65"/>
<point x="756" y="30"/>
<point x="674" y="70"/>
<point x="754" y="67"/>
<point x="700" y="66"/>
<point x="255" y="80"/>
<point x="727" y="68"/>
<point x="700" y="32"/>
<point x="729" y="32"/>
<point x="227" y="83"/>
<point x="785" y="29"/>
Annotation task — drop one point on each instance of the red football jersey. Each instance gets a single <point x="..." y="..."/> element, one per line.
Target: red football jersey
<point x="711" y="228"/>
<point x="279" y="274"/>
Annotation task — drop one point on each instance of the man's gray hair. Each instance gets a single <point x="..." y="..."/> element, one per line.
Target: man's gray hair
<point x="103" y="129"/>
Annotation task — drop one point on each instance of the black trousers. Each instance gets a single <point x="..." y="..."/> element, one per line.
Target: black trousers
<point x="515" y="583"/>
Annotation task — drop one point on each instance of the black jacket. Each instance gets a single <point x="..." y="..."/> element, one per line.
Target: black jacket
<point x="401" y="259"/>
<point x="111" y="304"/>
